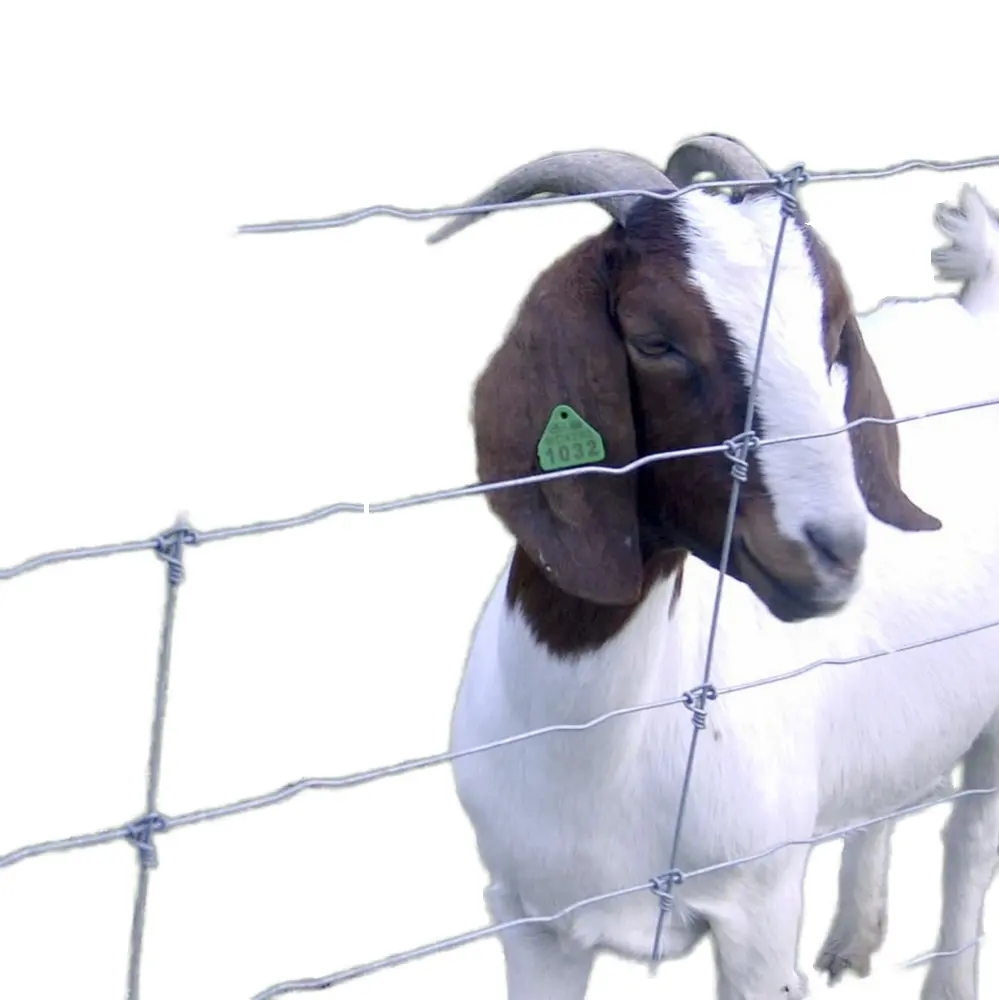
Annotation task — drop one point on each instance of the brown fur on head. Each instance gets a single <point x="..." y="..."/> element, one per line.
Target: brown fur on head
<point x="649" y="331"/>
<point x="876" y="447"/>
<point x="582" y="336"/>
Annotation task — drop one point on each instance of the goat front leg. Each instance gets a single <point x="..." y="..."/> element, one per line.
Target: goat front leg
<point x="756" y="934"/>
<point x="969" y="864"/>
<point x="858" y="929"/>
<point x="539" y="964"/>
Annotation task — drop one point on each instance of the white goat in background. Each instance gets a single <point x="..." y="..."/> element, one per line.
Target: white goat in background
<point x="648" y="331"/>
<point x="971" y="257"/>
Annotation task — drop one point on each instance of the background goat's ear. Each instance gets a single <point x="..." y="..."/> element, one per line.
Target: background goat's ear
<point x="581" y="531"/>
<point x="876" y="446"/>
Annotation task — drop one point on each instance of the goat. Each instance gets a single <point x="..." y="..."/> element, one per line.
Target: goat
<point x="971" y="257"/>
<point x="648" y="330"/>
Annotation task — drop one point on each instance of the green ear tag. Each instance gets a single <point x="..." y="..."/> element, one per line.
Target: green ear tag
<point x="568" y="440"/>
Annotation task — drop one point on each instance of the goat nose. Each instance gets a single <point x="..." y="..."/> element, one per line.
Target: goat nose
<point x="839" y="548"/>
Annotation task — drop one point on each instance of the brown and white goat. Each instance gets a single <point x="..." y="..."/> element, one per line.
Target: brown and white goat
<point x="649" y="330"/>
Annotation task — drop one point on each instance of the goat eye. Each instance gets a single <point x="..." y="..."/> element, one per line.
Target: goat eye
<point x="655" y="347"/>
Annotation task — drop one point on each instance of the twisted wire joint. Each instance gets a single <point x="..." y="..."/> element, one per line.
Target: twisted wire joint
<point x="737" y="450"/>
<point x="662" y="887"/>
<point x="694" y="700"/>
<point x="786" y="185"/>
<point x="170" y="548"/>
<point x="140" y="834"/>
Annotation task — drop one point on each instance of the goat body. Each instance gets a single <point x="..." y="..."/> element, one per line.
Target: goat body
<point x="568" y="815"/>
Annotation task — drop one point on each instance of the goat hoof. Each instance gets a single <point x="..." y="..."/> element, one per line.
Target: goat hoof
<point x="849" y="947"/>
<point x="836" y="961"/>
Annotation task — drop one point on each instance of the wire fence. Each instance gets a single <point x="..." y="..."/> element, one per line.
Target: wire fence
<point x="170" y="546"/>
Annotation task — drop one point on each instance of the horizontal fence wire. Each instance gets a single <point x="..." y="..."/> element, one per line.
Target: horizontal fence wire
<point x="366" y="777"/>
<point x="491" y="930"/>
<point x="169" y="546"/>
<point x="421" y="214"/>
<point x="194" y="537"/>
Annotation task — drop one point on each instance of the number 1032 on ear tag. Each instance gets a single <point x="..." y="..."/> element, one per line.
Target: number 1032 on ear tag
<point x="568" y="440"/>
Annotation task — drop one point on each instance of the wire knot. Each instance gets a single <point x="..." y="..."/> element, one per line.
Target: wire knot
<point x="786" y="186"/>
<point x="694" y="700"/>
<point x="170" y="548"/>
<point x="737" y="450"/>
<point x="662" y="887"/>
<point x="140" y="834"/>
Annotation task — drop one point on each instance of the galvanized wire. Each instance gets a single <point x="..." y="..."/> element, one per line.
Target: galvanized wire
<point x="193" y="538"/>
<point x="197" y="538"/>
<point x="420" y="214"/>
<point x="663" y="888"/>
<point x="169" y="546"/>
<point x="365" y="777"/>
<point x="449" y="944"/>
<point x="141" y="832"/>
<point x="899" y="300"/>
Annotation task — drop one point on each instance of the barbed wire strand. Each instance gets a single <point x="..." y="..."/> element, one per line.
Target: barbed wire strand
<point x="417" y="215"/>
<point x="473" y="489"/>
<point x="449" y="944"/>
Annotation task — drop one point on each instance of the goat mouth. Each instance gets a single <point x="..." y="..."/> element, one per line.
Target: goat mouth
<point x="785" y="602"/>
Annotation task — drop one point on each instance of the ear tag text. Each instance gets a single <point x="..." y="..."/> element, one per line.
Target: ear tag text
<point x="568" y="441"/>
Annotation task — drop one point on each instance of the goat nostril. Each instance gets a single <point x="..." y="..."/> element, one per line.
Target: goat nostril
<point x="840" y="549"/>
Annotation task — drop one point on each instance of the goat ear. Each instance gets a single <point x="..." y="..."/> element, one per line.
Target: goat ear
<point x="876" y="446"/>
<point x="580" y="531"/>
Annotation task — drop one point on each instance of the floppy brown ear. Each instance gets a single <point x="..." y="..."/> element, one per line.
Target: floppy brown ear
<point x="876" y="446"/>
<point x="581" y="531"/>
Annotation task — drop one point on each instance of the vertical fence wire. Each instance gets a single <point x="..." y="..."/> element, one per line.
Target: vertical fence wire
<point x="697" y="699"/>
<point x="142" y="831"/>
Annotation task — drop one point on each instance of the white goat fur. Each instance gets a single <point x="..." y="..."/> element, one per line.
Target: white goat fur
<point x="572" y="815"/>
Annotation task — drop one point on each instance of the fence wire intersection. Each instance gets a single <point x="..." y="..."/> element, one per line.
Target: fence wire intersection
<point x="775" y="180"/>
<point x="491" y="930"/>
<point x="169" y="546"/>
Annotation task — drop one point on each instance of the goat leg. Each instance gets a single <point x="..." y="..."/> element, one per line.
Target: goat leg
<point x="969" y="864"/>
<point x="539" y="964"/>
<point x="861" y="920"/>
<point x="858" y="929"/>
<point x="756" y="937"/>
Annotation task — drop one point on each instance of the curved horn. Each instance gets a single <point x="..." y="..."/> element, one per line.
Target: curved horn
<point x="578" y="172"/>
<point x="725" y="157"/>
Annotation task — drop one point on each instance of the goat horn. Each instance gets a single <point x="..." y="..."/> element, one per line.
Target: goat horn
<point x="578" y="172"/>
<point x="725" y="157"/>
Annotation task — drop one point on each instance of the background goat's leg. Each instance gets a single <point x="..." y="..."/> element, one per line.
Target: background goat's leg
<point x="858" y="929"/>
<point x="969" y="863"/>
<point x="539" y="966"/>
<point x="756" y="934"/>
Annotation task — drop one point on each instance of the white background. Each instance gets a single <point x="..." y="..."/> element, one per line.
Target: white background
<point x="154" y="362"/>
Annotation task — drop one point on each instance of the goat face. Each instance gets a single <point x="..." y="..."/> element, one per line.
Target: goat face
<point x="650" y="331"/>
